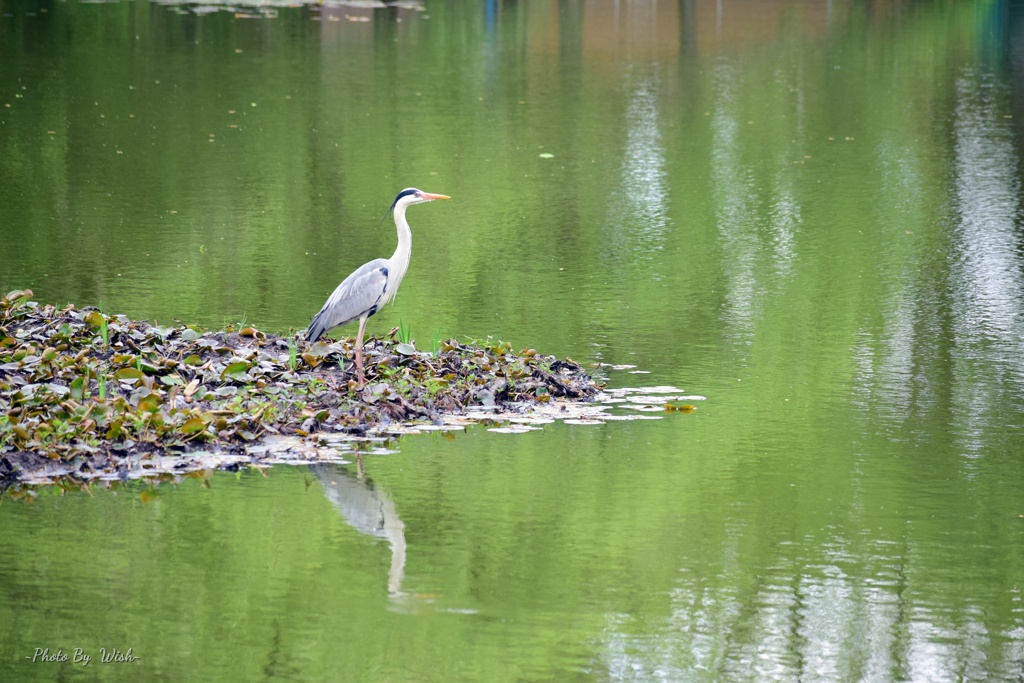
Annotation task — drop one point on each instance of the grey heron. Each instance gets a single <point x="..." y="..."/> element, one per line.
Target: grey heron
<point x="373" y="284"/>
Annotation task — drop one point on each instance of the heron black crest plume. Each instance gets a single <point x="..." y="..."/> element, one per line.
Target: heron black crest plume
<point x="372" y="285"/>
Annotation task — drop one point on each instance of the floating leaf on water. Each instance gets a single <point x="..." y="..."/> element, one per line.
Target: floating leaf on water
<point x="631" y="417"/>
<point x="531" y="420"/>
<point x="656" y="390"/>
<point x="646" y="408"/>
<point x="574" y="421"/>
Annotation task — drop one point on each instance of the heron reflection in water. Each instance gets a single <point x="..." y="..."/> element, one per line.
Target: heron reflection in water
<point x="367" y="509"/>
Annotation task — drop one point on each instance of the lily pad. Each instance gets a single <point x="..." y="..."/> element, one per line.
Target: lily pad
<point x="193" y="425"/>
<point x="128" y="373"/>
<point x="235" y="369"/>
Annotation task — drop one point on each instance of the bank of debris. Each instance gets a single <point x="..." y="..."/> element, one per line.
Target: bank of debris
<point x="87" y="392"/>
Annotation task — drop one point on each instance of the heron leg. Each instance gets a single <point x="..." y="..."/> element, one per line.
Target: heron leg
<point x="359" y="353"/>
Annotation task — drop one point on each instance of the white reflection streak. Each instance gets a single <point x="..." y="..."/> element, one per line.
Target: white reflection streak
<point x="894" y="391"/>
<point x="732" y="187"/>
<point x="785" y="220"/>
<point x="775" y="624"/>
<point x="643" y="173"/>
<point x="988" y="283"/>
<point x="942" y="651"/>
<point x="886" y="382"/>
<point x="807" y="623"/>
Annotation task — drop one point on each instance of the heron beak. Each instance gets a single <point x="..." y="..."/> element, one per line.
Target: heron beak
<point x="431" y="197"/>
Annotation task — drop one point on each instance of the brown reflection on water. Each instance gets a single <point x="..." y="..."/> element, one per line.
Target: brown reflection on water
<point x="664" y="29"/>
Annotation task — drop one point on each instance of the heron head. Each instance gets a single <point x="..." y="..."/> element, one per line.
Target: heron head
<point x="411" y="195"/>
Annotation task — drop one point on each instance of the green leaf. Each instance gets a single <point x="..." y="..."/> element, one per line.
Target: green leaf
<point x="235" y="369"/>
<point x="148" y="403"/>
<point x="94" y="319"/>
<point x="188" y="334"/>
<point x="98" y="411"/>
<point x="128" y="373"/>
<point x="115" y="430"/>
<point x="406" y="349"/>
<point x="78" y="388"/>
<point x="193" y="360"/>
<point x="193" y="425"/>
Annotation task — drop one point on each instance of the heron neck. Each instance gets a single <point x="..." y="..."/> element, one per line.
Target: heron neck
<point x="404" y="251"/>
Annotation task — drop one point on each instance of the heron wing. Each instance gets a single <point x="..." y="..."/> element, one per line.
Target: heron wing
<point x="360" y="294"/>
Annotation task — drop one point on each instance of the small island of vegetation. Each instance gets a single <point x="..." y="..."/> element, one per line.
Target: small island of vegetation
<point x="84" y="388"/>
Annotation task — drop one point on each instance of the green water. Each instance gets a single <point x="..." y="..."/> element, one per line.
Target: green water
<point x="809" y="212"/>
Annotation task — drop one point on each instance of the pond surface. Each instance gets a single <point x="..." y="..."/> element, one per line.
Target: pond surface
<point x="808" y="212"/>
